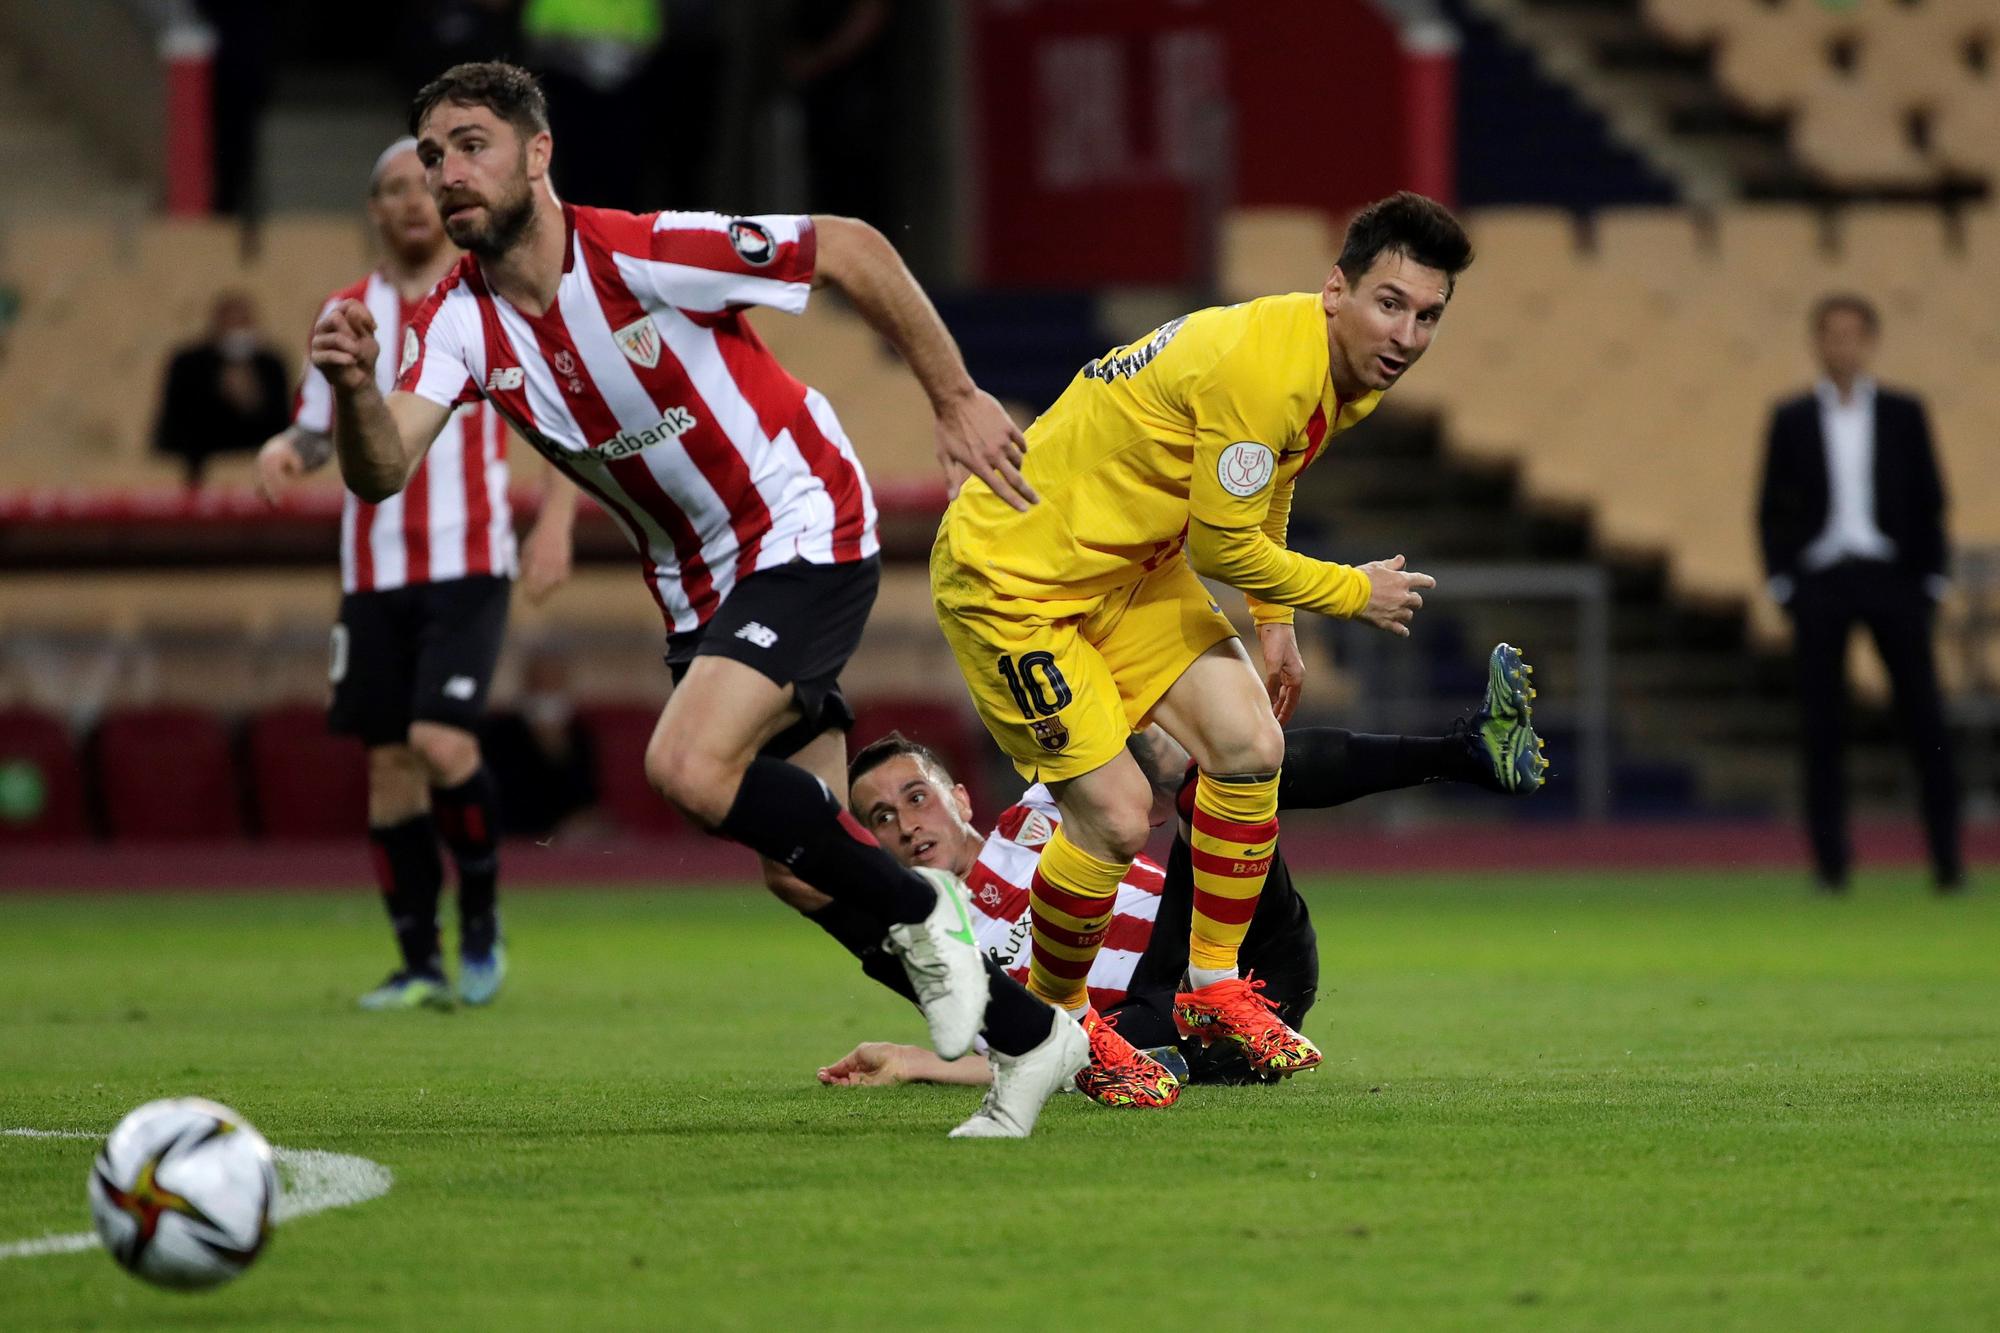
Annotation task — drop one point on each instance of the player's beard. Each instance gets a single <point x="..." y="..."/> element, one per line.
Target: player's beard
<point x="506" y="223"/>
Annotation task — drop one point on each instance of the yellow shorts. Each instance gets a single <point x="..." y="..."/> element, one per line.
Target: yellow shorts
<point x="1062" y="692"/>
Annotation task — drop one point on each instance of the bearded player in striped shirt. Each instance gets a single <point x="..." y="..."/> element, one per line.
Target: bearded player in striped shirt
<point x="616" y="345"/>
<point x="424" y="589"/>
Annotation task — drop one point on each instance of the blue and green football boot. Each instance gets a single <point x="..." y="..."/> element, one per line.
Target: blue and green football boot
<point x="480" y="975"/>
<point x="409" y="990"/>
<point x="1503" y="730"/>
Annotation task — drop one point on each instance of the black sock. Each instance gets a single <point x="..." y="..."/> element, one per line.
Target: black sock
<point x="865" y="938"/>
<point x="411" y="873"/>
<point x="1326" y="766"/>
<point x="468" y="818"/>
<point x="788" y="815"/>
<point x="1016" y="1022"/>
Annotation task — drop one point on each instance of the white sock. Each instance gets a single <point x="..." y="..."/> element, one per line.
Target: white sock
<point x="1206" y="976"/>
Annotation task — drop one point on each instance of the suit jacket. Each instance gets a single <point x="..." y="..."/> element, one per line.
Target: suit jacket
<point x="1909" y="493"/>
<point x="196" y="421"/>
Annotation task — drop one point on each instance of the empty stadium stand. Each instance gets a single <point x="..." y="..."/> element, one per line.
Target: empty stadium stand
<point x="166" y="774"/>
<point x="304" y="782"/>
<point x="41" y="780"/>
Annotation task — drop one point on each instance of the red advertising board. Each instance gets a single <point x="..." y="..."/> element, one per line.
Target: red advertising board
<point x="1107" y="132"/>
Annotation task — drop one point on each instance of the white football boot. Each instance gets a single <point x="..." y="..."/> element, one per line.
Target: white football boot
<point x="1023" y="1083"/>
<point x="945" y="967"/>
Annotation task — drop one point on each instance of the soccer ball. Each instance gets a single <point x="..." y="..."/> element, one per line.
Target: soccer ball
<point x="182" y="1193"/>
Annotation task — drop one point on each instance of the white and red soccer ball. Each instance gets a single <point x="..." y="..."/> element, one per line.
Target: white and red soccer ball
<point x="183" y="1192"/>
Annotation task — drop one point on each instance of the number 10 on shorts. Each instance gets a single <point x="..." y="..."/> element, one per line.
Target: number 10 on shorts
<point x="1036" y="683"/>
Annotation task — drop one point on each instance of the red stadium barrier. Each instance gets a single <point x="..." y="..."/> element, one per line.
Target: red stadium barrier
<point x="618" y="735"/>
<point x="166" y="774"/>
<point x="305" y="782"/>
<point x="41" y="782"/>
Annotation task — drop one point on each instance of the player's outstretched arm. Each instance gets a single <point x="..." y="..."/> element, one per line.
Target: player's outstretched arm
<point x="879" y="1064"/>
<point x="974" y="433"/>
<point x="379" y="441"/>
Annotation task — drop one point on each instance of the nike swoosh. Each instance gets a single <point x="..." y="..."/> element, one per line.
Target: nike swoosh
<point x="964" y="932"/>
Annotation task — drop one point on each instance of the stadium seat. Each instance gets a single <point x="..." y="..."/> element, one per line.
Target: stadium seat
<point x="166" y="773"/>
<point x="41" y="783"/>
<point x="1691" y="21"/>
<point x="305" y="782"/>
<point x="945" y="726"/>
<point x="1853" y="140"/>
<point x="1853" y="73"/>
<point x="619" y="733"/>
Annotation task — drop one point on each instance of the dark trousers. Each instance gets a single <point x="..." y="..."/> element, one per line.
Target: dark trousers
<point x="1898" y="613"/>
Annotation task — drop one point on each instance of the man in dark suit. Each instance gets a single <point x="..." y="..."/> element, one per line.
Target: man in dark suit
<point x="225" y="394"/>
<point x="1852" y="521"/>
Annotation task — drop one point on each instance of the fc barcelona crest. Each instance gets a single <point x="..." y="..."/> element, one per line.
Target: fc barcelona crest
<point x="640" y="341"/>
<point x="1050" y="734"/>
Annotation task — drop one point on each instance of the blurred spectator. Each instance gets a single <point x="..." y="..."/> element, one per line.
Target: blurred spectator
<point x="838" y="57"/>
<point x="224" y="394"/>
<point x="245" y="64"/>
<point x="592" y="56"/>
<point x="539" y="753"/>
<point x="1852" y="522"/>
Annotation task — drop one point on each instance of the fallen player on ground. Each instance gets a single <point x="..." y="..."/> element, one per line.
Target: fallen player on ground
<point x="903" y="793"/>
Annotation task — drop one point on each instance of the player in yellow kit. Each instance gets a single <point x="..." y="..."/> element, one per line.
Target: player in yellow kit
<point x="1080" y="619"/>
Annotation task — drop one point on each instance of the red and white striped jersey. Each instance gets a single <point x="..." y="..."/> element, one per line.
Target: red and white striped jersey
<point x="453" y="518"/>
<point x="998" y="888"/>
<point x="646" y="385"/>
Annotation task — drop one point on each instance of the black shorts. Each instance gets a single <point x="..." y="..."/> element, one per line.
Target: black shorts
<point x="797" y="624"/>
<point x="420" y="653"/>
<point x="1281" y="950"/>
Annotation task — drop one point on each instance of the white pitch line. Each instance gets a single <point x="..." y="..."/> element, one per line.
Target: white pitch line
<point x="311" y="1181"/>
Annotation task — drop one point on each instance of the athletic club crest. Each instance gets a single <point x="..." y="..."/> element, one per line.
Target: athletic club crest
<point x="640" y="341"/>
<point x="411" y="350"/>
<point x="1050" y="733"/>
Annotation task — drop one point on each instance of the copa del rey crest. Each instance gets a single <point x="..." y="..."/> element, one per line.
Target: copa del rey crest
<point x="640" y="341"/>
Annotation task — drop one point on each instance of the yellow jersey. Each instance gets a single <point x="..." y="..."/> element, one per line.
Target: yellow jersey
<point x="1190" y="438"/>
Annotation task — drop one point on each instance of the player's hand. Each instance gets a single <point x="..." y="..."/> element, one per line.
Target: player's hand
<point x="278" y="466"/>
<point x="1284" y="669"/>
<point x="1395" y="595"/>
<point x="872" y="1064"/>
<point x="344" y="347"/>
<point x="975" y="435"/>
<point x="546" y="560"/>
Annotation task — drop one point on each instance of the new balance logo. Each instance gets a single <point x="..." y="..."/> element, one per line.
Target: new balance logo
<point x="461" y="688"/>
<point x="758" y="634"/>
<point x="503" y="379"/>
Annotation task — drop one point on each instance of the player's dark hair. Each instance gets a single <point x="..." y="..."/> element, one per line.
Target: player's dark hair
<point x="508" y="91"/>
<point x="893" y="745"/>
<point x="1852" y="303"/>
<point x="1408" y="224"/>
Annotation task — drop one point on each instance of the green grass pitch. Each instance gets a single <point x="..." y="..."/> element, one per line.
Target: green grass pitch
<point x="1642" y="1101"/>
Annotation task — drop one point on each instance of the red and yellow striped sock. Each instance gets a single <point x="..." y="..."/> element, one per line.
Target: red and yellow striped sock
<point x="1070" y="900"/>
<point x="1232" y="835"/>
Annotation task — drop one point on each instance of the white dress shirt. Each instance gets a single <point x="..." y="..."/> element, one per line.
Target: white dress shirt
<point x="1848" y="429"/>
